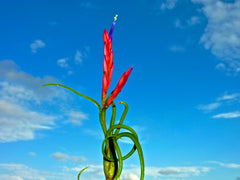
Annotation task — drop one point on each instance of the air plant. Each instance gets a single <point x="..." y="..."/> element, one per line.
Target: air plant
<point x="112" y="156"/>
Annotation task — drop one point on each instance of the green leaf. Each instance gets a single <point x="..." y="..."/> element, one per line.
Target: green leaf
<point x="81" y="172"/>
<point x="80" y="94"/>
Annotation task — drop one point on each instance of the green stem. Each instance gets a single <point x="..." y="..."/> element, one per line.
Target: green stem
<point x="112" y="122"/>
<point x="102" y="118"/>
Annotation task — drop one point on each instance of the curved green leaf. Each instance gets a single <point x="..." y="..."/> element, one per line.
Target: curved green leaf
<point x="133" y="136"/>
<point x="81" y="172"/>
<point x="80" y="94"/>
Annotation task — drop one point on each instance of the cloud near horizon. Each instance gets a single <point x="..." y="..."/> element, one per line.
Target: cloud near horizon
<point x="65" y="157"/>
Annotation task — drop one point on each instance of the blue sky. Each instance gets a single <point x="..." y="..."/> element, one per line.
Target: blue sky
<point x="183" y="93"/>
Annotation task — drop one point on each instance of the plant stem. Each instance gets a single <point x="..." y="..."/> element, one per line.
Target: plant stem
<point x="110" y="167"/>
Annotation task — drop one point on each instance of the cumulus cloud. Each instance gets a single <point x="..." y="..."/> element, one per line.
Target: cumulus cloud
<point x="65" y="157"/>
<point x="19" y="85"/>
<point x="22" y="124"/>
<point x="19" y="92"/>
<point x="130" y="176"/>
<point x="222" y="35"/>
<point x="37" y="44"/>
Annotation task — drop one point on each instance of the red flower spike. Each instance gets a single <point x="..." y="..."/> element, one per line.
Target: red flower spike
<point x="107" y="65"/>
<point x="119" y="86"/>
<point x="105" y="37"/>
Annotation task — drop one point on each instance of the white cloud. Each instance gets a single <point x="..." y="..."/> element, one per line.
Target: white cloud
<point x="169" y="4"/>
<point x="36" y="45"/>
<point x="23" y="172"/>
<point x="22" y="124"/>
<point x="63" y="63"/>
<point x="19" y="93"/>
<point x="130" y="176"/>
<point x="19" y="85"/>
<point x="132" y="172"/>
<point x="225" y="97"/>
<point x="227" y="165"/>
<point x="10" y="177"/>
<point x="76" y="117"/>
<point x="222" y="35"/>
<point x="78" y="57"/>
<point x="209" y="107"/>
<point x="65" y="157"/>
<point x="230" y="115"/>
<point x="20" y="172"/>
<point x="220" y="101"/>
<point x="177" y="172"/>
<point x="187" y="23"/>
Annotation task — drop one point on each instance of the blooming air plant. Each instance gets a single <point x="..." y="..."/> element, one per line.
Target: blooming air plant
<point x="112" y="156"/>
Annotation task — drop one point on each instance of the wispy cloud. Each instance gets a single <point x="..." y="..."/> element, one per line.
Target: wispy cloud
<point x="37" y="44"/>
<point x="88" y="5"/>
<point x="187" y="23"/>
<point x="32" y="154"/>
<point x="209" y="107"/>
<point x="229" y="115"/>
<point x="227" y="98"/>
<point x="221" y="66"/>
<point x="65" y="157"/>
<point x="227" y="165"/>
<point x="223" y="42"/>
<point x="76" y="117"/>
<point x="177" y="48"/>
<point x="69" y="63"/>
<point x="193" y="20"/>
<point x="78" y="57"/>
<point x="63" y="63"/>
<point x="168" y="4"/>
